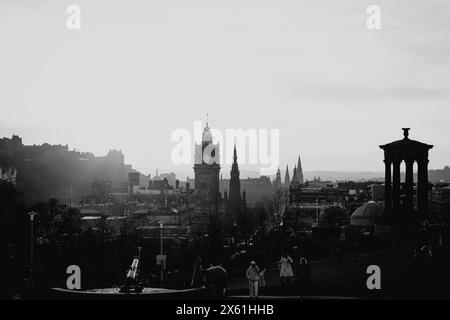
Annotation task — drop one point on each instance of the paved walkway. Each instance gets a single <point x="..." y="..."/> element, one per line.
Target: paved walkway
<point x="332" y="279"/>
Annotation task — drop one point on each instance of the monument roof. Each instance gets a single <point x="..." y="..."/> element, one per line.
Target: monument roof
<point x="406" y="144"/>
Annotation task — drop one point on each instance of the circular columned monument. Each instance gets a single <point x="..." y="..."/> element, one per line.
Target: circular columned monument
<point x="398" y="198"/>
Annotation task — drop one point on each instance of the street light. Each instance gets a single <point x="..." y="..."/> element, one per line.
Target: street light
<point x="31" y="214"/>
<point x="161" y="226"/>
<point x="140" y="263"/>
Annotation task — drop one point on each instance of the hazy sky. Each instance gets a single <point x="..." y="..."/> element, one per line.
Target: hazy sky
<point x="137" y="70"/>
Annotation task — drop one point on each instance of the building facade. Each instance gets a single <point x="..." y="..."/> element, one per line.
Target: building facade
<point x="207" y="168"/>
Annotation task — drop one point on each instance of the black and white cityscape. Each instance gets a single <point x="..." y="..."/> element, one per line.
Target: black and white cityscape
<point x="319" y="168"/>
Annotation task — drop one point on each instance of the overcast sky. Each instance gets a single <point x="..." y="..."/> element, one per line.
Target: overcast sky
<point x="137" y="70"/>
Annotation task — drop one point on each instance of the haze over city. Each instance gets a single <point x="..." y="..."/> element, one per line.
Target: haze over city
<point x="132" y="75"/>
<point x="257" y="152"/>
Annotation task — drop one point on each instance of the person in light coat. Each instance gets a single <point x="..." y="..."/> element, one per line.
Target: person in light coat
<point x="253" y="279"/>
<point x="286" y="272"/>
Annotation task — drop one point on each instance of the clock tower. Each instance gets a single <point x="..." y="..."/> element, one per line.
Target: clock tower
<point x="207" y="168"/>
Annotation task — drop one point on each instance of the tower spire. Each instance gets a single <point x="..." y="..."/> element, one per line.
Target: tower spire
<point x="287" y="178"/>
<point x="235" y="185"/>
<point x="299" y="171"/>
<point x="294" y="174"/>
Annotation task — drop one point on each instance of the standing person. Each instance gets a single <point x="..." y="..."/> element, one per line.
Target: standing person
<point x="285" y="269"/>
<point x="197" y="274"/>
<point x="262" y="279"/>
<point x="303" y="275"/>
<point x="253" y="279"/>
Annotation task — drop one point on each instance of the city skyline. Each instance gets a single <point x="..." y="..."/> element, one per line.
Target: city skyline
<point x="256" y="152"/>
<point x="248" y="170"/>
<point x="335" y="89"/>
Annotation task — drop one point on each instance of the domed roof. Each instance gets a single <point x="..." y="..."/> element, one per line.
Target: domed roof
<point x="369" y="210"/>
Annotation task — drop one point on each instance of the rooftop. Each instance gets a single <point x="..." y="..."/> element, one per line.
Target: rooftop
<point x="406" y="144"/>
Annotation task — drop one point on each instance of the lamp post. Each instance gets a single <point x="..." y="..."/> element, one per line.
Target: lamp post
<point x="31" y="214"/>
<point x="140" y="260"/>
<point x="161" y="226"/>
<point x="139" y="252"/>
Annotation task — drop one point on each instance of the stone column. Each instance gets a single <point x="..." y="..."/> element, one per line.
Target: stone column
<point x="396" y="185"/>
<point x="422" y="185"/>
<point x="387" y="186"/>
<point x="409" y="185"/>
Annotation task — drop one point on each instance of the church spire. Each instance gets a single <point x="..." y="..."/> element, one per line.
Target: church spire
<point x="299" y="171"/>
<point x="287" y="178"/>
<point x="235" y="184"/>
<point x="294" y="175"/>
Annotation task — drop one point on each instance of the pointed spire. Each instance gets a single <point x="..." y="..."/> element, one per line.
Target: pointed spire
<point x="287" y="178"/>
<point x="235" y="183"/>
<point x="299" y="171"/>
